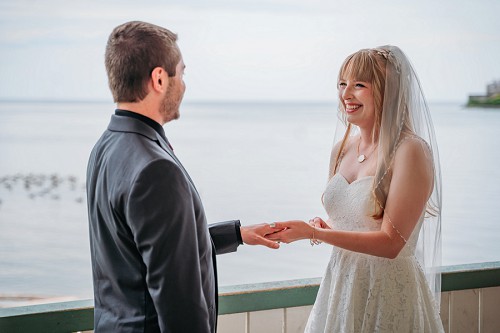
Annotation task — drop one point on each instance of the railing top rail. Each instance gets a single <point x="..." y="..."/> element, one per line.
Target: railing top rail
<point x="74" y="316"/>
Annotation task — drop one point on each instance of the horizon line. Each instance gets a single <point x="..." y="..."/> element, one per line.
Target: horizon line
<point x="202" y="101"/>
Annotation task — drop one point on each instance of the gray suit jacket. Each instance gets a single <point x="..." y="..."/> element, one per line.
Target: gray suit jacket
<point x="153" y="255"/>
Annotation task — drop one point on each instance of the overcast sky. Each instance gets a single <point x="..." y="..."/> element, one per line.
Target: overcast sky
<point x="280" y="50"/>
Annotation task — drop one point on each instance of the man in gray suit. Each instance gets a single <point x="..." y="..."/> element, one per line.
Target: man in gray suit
<point x="153" y="254"/>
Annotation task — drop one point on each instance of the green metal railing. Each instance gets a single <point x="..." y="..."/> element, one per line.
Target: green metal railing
<point x="78" y="315"/>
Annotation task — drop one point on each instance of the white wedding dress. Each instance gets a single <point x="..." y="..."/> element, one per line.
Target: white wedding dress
<point x="365" y="293"/>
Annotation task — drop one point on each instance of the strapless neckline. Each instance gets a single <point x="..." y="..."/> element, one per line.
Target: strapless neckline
<point x="360" y="179"/>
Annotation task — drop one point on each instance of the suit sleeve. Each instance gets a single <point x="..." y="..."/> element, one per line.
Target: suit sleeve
<point x="226" y="236"/>
<point x="162" y="219"/>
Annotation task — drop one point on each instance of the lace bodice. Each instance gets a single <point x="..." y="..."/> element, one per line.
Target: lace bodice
<point x="349" y="207"/>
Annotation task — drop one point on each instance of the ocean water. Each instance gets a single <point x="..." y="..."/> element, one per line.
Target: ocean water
<point x="257" y="162"/>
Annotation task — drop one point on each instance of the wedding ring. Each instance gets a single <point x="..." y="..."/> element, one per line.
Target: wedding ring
<point x="272" y="225"/>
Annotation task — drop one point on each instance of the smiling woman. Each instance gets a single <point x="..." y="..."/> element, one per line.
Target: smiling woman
<point x="376" y="226"/>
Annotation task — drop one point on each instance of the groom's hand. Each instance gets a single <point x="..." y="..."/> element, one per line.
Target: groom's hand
<point x="255" y="235"/>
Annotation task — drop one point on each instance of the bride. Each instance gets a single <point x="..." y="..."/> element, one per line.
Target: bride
<point x="383" y="201"/>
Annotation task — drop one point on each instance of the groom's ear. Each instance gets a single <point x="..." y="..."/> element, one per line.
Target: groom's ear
<point x="159" y="80"/>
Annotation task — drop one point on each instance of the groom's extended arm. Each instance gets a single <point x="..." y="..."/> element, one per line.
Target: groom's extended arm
<point x="227" y="236"/>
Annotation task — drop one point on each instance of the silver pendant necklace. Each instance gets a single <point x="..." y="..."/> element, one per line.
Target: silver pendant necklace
<point x="363" y="157"/>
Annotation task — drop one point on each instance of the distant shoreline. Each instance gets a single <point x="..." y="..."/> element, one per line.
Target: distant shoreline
<point x="485" y="105"/>
<point x="333" y="102"/>
<point x="490" y="101"/>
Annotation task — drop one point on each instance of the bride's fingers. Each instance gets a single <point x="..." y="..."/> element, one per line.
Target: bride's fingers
<point x="319" y="223"/>
<point x="318" y="220"/>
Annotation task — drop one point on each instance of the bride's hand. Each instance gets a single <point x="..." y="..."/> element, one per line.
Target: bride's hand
<point x="291" y="231"/>
<point x="318" y="222"/>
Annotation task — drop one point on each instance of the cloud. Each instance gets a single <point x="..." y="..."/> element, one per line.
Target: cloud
<point x="246" y="49"/>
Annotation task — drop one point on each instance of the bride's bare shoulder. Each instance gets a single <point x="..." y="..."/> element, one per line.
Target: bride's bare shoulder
<point x="414" y="153"/>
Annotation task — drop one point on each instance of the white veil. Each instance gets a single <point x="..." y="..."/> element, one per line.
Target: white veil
<point x="404" y="114"/>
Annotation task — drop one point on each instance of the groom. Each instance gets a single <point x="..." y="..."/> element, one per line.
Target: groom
<point x="153" y="255"/>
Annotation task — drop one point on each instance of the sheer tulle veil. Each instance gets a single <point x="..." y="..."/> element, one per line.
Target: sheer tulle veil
<point x="404" y="114"/>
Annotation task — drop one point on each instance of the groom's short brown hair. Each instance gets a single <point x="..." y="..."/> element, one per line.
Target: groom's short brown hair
<point x="133" y="50"/>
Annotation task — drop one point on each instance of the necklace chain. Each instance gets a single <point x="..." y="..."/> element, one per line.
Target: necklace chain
<point x="363" y="157"/>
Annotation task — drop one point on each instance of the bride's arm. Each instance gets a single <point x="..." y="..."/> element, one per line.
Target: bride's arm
<point x="411" y="185"/>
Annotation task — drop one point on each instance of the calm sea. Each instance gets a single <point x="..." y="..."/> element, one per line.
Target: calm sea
<point x="257" y="162"/>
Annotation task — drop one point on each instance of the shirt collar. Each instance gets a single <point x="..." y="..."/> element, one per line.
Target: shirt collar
<point x="148" y="121"/>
